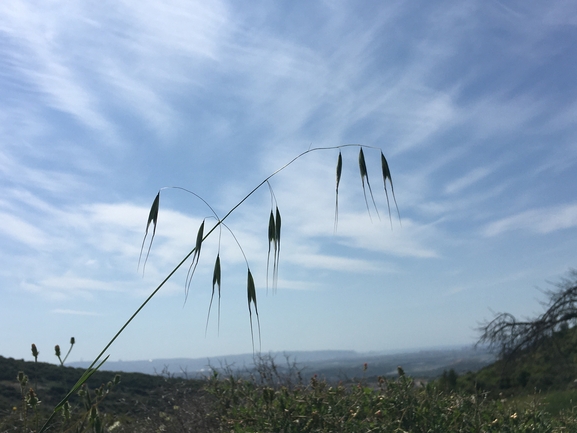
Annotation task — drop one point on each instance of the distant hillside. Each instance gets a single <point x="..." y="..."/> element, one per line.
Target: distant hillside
<point x="332" y="364"/>
<point x="52" y="382"/>
<point x="200" y="366"/>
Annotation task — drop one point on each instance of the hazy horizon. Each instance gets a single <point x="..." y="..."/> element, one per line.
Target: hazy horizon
<point x="72" y="361"/>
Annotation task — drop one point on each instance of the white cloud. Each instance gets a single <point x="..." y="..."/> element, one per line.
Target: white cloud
<point x="291" y="284"/>
<point x="189" y="27"/>
<point x="330" y="262"/>
<point x="409" y="240"/>
<point x="74" y="312"/>
<point x="81" y="60"/>
<point x="37" y="53"/>
<point x="542" y="221"/>
<point x="16" y="228"/>
<point x="467" y="180"/>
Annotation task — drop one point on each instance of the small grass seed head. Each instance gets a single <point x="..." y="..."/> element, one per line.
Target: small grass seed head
<point x="95" y="420"/>
<point x="32" y="399"/>
<point x="22" y="378"/>
<point x="66" y="411"/>
<point x="35" y="352"/>
<point x="93" y="413"/>
<point x="57" y="350"/>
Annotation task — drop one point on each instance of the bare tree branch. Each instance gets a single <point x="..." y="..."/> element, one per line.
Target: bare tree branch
<point x="510" y="337"/>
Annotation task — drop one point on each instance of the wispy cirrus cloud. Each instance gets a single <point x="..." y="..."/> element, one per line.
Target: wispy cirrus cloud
<point x="469" y="179"/>
<point x="22" y="231"/>
<point x="74" y="312"/>
<point x="541" y="221"/>
<point x="43" y="47"/>
<point x="36" y="52"/>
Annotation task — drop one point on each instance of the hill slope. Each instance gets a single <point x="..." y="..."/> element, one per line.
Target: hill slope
<point x="331" y="364"/>
<point x="52" y="382"/>
<point x="550" y="366"/>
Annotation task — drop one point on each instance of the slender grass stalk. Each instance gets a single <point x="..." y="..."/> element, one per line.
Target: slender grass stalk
<point x="72" y="342"/>
<point x="201" y="237"/>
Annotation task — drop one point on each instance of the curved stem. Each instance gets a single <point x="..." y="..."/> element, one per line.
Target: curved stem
<point x="91" y="369"/>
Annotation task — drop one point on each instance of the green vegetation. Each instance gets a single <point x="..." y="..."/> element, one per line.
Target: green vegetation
<point x="270" y="403"/>
<point x="552" y="366"/>
<point x="108" y="399"/>
<point x="271" y="398"/>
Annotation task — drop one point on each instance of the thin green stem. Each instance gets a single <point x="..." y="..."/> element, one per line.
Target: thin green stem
<point x="68" y="353"/>
<point x="90" y="370"/>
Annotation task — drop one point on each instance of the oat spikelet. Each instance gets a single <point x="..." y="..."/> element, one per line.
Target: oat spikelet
<point x="152" y="218"/>
<point x="387" y="175"/>
<point x="195" y="259"/>
<point x="339" y="172"/>
<point x="365" y="176"/>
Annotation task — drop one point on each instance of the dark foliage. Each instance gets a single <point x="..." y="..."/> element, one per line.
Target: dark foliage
<point x="549" y="366"/>
<point x="510" y="337"/>
<point x="271" y="401"/>
<point x="130" y="399"/>
<point x="138" y="403"/>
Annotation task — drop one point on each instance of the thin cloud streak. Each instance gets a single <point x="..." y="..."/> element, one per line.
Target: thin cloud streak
<point x="469" y="179"/>
<point x="21" y="231"/>
<point x="541" y="221"/>
<point x="36" y="33"/>
<point x="74" y="312"/>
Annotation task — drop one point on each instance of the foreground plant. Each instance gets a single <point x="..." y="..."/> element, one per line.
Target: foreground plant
<point x="26" y="416"/>
<point x="274" y="236"/>
<point x="274" y="402"/>
<point x="58" y="353"/>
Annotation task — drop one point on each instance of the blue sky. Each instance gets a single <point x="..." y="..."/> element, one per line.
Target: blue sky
<point x="104" y="103"/>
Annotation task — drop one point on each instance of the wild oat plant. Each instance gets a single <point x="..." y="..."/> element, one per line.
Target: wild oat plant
<point x="274" y="237"/>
